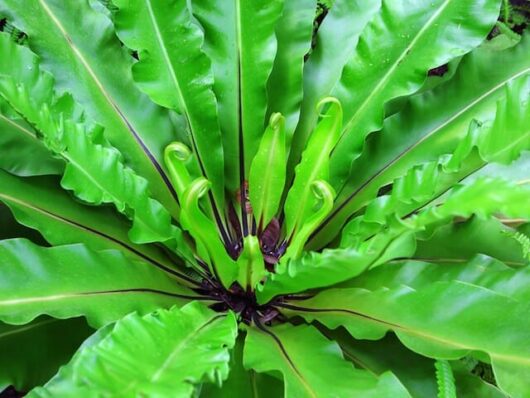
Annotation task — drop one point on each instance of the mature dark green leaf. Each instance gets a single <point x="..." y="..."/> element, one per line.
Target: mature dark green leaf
<point x="308" y="361"/>
<point x="72" y="38"/>
<point x="431" y="125"/>
<point x="162" y="354"/>
<point x="414" y="371"/>
<point x="284" y="89"/>
<point x="71" y="281"/>
<point x="395" y="51"/>
<point x="471" y="386"/>
<point x="336" y="40"/>
<point x="175" y="73"/>
<point x="94" y="172"/>
<point x="32" y="353"/>
<point x="240" y="41"/>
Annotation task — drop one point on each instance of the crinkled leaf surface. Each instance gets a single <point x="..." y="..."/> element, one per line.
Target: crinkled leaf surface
<point x="72" y="38"/>
<point x="161" y="354"/>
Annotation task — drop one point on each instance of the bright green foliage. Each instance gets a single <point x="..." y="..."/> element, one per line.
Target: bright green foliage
<point x="446" y="380"/>
<point x="264" y="198"/>
<point x="158" y="341"/>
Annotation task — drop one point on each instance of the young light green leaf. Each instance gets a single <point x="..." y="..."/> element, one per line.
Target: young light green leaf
<point x="313" y="166"/>
<point x="267" y="172"/>
<point x="251" y="263"/>
<point x="325" y="193"/>
<point x="205" y="233"/>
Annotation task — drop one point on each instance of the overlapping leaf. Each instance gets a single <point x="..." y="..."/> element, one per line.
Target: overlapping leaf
<point x="72" y="38"/>
<point x="443" y="320"/>
<point x="284" y="89"/>
<point x="501" y="140"/>
<point x="94" y="172"/>
<point x="175" y="73"/>
<point x="395" y="51"/>
<point x="240" y="41"/>
<point x="22" y="153"/>
<point x="179" y="348"/>
<point x="308" y="361"/>
<point x="431" y="125"/>
<point x="336" y="40"/>
<point x="32" y="353"/>
<point x="40" y="203"/>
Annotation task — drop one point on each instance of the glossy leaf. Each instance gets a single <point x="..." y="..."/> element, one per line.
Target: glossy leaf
<point x="313" y="166"/>
<point x="178" y="348"/>
<point x="480" y="271"/>
<point x="422" y="320"/>
<point x="94" y="172"/>
<point x="72" y="281"/>
<point x="240" y="41"/>
<point x="459" y="242"/>
<point x="71" y="39"/>
<point x="395" y="51"/>
<point x="267" y="172"/>
<point x="204" y="231"/>
<point x="293" y="32"/>
<point x="501" y="140"/>
<point x="286" y="349"/>
<point x="431" y="125"/>
<point x="336" y="40"/>
<point x="39" y="203"/>
<point x="332" y="266"/>
<point x="175" y="73"/>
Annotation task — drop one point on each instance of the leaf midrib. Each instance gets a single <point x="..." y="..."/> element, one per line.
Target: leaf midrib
<point x="365" y="185"/>
<point x="127" y="125"/>
<point x="406" y="329"/>
<point x="122" y="245"/>
<point x="19" y="127"/>
<point x="158" y="374"/>
<point x="288" y="359"/>
<point x="399" y="60"/>
<point x="68" y="296"/>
